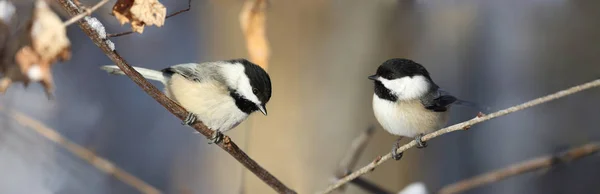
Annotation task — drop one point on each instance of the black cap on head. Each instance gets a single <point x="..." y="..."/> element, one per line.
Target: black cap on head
<point x="399" y="67"/>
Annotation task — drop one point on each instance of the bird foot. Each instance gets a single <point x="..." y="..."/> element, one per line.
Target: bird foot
<point x="395" y="154"/>
<point x="420" y="142"/>
<point x="189" y="119"/>
<point x="216" y="137"/>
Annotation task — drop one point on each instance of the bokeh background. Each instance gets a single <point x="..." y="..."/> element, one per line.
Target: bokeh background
<point x="496" y="53"/>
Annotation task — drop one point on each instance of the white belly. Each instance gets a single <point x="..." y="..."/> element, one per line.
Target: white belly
<point x="209" y="101"/>
<point x="407" y="118"/>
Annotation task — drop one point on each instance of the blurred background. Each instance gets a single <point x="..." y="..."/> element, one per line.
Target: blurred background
<point x="496" y="53"/>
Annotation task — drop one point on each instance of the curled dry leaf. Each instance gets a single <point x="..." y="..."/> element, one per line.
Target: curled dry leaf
<point x="48" y="34"/>
<point x="140" y="13"/>
<point x="34" y="67"/>
<point x="253" y="19"/>
<point x="29" y="66"/>
<point x="29" y="54"/>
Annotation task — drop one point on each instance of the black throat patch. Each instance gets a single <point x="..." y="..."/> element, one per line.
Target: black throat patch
<point x="242" y="103"/>
<point x="384" y="93"/>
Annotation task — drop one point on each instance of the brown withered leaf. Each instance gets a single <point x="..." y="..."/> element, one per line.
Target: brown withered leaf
<point x="48" y="34"/>
<point x="140" y="13"/>
<point x="29" y="55"/>
<point x="34" y="68"/>
<point x="253" y="21"/>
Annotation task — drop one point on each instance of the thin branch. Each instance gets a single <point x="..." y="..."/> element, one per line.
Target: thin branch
<point x="100" y="163"/>
<point x="227" y="144"/>
<point x="521" y="168"/>
<point x="357" y="146"/>
<point x="86" y="13"/>
<point x="348" y="162"/>
<point x="464" y="126"/>
<point x="168" y="16"/>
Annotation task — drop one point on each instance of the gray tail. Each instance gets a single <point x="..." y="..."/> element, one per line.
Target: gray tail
<point x="147" y="73"/>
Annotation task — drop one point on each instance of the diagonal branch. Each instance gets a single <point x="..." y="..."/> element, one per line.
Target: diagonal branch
<point x="227" y="144"/>
<point x="100" y="163"/>
<point x="521" y="168"/>
<point x="464" y="126"/>
<point x="356" y="148"/>
<point x="348" y="162"/>
<point x="85" y="13"/>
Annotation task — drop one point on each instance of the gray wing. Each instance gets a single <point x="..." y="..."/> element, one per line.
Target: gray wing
<point x="194" y="71"/>
<point x="438" y="100"/>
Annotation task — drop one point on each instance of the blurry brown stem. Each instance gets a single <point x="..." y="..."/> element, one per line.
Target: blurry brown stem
<point x="463" y="126"/>
<point x="100" y="163"/>
<point x="227" y="144"/>
<point x="86" y="13"/>
<point x="253" y="22"/>
<point x="168" y="16"/>
<point x="521" y="168"/>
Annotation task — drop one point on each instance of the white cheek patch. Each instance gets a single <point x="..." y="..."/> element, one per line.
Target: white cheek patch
<point x="236" y="79"/>
<point x="407" y="88"/>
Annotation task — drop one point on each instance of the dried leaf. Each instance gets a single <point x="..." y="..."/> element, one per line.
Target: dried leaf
<point x="12" y="72"/>
<point x="140" y="13"/>
<point x="29" y="56"/>
<point x="48" y="34"/>
<point x="253" y="21"/>
<point x="34" y="67"/>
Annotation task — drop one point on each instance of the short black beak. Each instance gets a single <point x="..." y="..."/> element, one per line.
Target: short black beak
<point x="373" y="77"/>
<point x="262" y="109"/>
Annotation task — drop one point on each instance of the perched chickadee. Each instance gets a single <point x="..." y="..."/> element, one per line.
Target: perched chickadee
<point x="221" y="94"/>
<point x="407" y="102"/>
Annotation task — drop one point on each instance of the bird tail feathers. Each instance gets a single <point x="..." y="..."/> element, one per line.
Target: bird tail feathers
<point x="146" y="73"/>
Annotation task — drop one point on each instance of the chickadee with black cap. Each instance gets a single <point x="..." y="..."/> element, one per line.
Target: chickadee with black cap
<point x="408" y="103"/>
<point x="221" y="94"/>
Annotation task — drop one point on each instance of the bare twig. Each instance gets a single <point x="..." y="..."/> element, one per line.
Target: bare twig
<point x="521" y="168"/>
<point x="86" y="13"/>
<point x="100" y="163"/>
<point x="253" y="21"/>
<point x="227" y="144"/>
<point x="168" y="16"/>
<point x="463" y="126"/>
<point x="356" y="148"/>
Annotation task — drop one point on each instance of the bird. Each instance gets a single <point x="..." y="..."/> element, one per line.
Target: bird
<point x="221" y="94"/>
<point x="407" y="103"/>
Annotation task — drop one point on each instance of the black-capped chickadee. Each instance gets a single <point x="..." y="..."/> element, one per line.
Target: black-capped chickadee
<point x="221" y="94"/>
<point x="407" y="102"/>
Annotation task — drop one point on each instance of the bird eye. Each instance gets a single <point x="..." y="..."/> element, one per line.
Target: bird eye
<point x="254" y="90"/>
